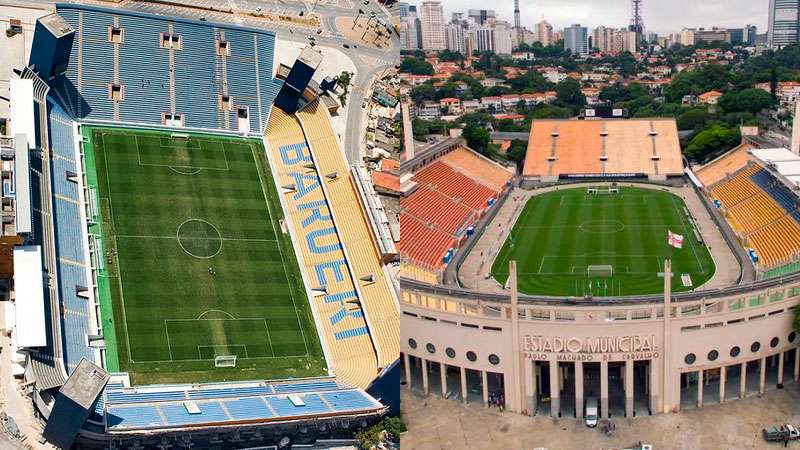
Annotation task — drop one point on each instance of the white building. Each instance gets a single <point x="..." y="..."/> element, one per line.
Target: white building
<point x="454" y="37"/>
<point x="432" y="22"/>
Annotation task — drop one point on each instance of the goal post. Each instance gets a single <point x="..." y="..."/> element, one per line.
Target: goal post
<point x="600" y="271"/>
<point x="225" y="361"/>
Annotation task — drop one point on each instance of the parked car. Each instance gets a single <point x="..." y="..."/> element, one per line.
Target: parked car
<point x="780" y="433"/>
<point x="591" y="412"/>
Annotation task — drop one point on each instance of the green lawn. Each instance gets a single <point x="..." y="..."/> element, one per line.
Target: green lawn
<point x="560" y="234"/>
<point x="202" y="268"/>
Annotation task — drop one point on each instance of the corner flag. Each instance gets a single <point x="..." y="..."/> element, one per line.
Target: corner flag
<point x="674" y="240"/>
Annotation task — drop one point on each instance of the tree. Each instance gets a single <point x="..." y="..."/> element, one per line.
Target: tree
<point x="477" y="138"/>
<point x="517" y="151"/>
<point x="448" y="55"/>
<point x="416" y="66"/>
<point x="569" y="93"/>
<point x="394" y="427"/>
<point x="422" y="93"/>
<point x="693" y="119"/>
<point x="369" y="438"/>
<point x="750" y="100"/>
<point x="343" y="81"/>
<point x="712" y="139"/>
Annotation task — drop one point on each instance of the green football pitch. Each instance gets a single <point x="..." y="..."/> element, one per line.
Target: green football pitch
<point x="571" y="243"/>
<point x="195" y="263"/>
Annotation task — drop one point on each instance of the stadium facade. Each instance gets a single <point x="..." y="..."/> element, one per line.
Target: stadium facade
<point x="465" y="336"/>
<point x="112" y="67"/>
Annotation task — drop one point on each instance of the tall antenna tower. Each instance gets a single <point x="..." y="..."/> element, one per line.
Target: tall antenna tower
<point x="517" y="23"/>
<point x="637" y="24"/>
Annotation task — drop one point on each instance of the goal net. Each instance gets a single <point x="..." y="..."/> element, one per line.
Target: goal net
<point x="225" y="361"/>
<point x="600" y="271"/>
<point x="602" y="190"/>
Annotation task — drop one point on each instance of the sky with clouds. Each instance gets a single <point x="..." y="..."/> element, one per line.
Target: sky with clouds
<point x="660" y="16"/>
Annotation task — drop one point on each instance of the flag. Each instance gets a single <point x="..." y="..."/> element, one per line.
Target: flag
<point x="674" y="240"/>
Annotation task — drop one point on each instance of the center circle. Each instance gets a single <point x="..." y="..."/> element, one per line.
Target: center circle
<point x="602" y="226"/>
<point x="199" y="238"/>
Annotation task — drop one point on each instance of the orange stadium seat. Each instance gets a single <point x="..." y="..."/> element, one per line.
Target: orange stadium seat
<point x="441" y="211"/>
<point x="479" y="168"/>
<point x="722" y="167"/>
<point x="441" y="177"/>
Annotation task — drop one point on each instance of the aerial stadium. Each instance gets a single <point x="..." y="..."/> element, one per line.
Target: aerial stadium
<point x="214" y="275"/>
<point x="606" y="270"/>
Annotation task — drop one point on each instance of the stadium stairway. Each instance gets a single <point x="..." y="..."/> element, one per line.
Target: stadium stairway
<point x="144" y="71"/>
<point x="341" y="324"/>
<point x="377" y="296"/>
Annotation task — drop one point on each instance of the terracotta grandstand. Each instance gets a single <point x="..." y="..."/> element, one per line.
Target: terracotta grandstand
<point x="570" y="148"/>
<point x="723" y="166"/>
<point x="447" y="197"/>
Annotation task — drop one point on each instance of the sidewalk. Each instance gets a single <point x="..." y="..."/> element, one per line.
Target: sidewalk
<point x="438" y="424"/>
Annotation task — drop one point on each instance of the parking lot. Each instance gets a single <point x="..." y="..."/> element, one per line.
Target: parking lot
<point x="435" y="424"/>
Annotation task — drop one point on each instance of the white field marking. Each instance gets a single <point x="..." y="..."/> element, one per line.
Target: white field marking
<point x="200" y="354"/>
<point x="184" y="173"/>
<point x="200" y="317"/>
<point x="166" y="329"/>
<point x="541" y="264"/>
<point x="688" y="235"/>
<point x="173" y="166"/>
<point x="200" y="360"/>
<point x="134" y="236"/>
<point x="263" y="320"/>
<point x="283" y="261"/>
<point x="219" y="237"/>
<point x="122" y="300"/>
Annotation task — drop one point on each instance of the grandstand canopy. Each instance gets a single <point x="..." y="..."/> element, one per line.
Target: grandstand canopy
<point x="781" y="161"/>
<point x="29" y="288"/>
<point x="579" y="148"/>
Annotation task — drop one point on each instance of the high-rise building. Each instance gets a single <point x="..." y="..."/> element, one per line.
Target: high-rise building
<point x="576" y="39"/>
<point x="713" y="35"/>
<point x="503" y="38"/>
<point x="481" y="16"/>
<point x="784" y="23"/>
<point x="544" y="33"/>
<point x="454" y="37"/>
<point x="410" y="32"/>
<point x="484" y="38"/>
<point x="686" y="37"/>
<point x="431" y="16"/>
<point x="603" y="39"/>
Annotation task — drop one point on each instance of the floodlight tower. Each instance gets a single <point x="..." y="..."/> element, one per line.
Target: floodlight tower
<point x="637" y="23"/>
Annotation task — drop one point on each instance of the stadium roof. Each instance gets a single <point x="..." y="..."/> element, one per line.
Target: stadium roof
<point x="782" y="161"/>
<point x="603" y="147"/>
<point x="22" y="120"/>
<point x="22" y="185"/>
<point x="29" y="285"/>
<point x="56" y="25"/>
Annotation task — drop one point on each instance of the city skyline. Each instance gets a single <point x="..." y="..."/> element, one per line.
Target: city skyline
<point x="659" y="17"/>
